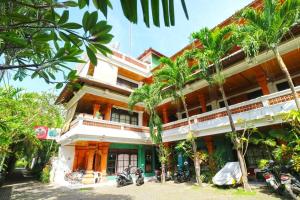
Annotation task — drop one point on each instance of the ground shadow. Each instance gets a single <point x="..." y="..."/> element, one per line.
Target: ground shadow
<point x="42" y="191"/>
<point x="5" y="192"/>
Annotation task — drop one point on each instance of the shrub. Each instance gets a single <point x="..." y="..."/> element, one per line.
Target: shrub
<point x="262" y="163"/>
<point x="45" y="175"/>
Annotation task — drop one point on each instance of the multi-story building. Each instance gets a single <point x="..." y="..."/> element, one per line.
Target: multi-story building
<point x="101" y="134"/>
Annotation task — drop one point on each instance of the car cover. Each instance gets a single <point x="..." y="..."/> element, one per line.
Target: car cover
<point x="230" y="174"/>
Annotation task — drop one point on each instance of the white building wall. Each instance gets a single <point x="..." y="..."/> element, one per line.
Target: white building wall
<point x="63" y="164"/>
<point x="106" y="72"/>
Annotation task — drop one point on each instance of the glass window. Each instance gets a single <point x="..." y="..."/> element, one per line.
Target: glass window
<point x="254" y="94"/>
<point x="282" y="86"/>
<point x="208" y="108"/>
<point x="126" y="83"/>
<point x="221" y="104"/>
<point x="124" y="116"/>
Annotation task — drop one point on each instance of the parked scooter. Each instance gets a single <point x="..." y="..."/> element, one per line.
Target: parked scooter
<point x="139" y="176"/>
<point x="284" y="183"/>
<point x="124" y="178"/>
<point x="182" y="175"/>
<point x="291" y="183"/>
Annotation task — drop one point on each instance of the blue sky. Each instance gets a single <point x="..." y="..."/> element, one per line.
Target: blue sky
<point x="167" y="40"/>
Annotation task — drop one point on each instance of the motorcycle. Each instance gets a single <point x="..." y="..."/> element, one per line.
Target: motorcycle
<point x="139" y="177"/>
<point x="124" y="178"/>
<point x="285" y="183"/>
<point x="290" y="182"/>
<point x="182" y="175"/>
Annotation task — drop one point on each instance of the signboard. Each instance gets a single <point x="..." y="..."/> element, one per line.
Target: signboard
<point x="52" y="133"/>
<point x="45" y="133"/>
<point x="41" y="132"/>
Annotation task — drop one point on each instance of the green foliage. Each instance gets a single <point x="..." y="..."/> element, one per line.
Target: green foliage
<point x="20" y="111"/>
<point x="21" y="163"/>
<point x="186" y="147"/>
<point x="37" y="41"/>
<point x="150" y="96"/>
<point x="45" y="175"/>
<point x="206" y="176"/>
<point x="262" y="163"/>
<point x="265" y="28"/>
<point x="216" y="44"/>
<point x="219" y="158"/>
<point x="37" y="38"/>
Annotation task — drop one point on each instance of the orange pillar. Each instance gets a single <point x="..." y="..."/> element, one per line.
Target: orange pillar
<point x="88" y="178"/>
<point x="91" y="153"/>
<point x="261" y="79"/>
<point x="209" y="144"/>
<point x="96" y="108"/>
<point x="104" y="155"/>
<point x="165" y="115"/>
<point x="107" y="113"/>
<point x="202" y="101"/>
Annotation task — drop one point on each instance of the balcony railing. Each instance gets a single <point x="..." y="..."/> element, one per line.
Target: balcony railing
<point x="87" y="128"/>
<point x="265" y="110"/>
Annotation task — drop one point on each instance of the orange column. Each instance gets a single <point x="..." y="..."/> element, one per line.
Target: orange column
<point x="104" y="154"/>
<point x="96" y="108"/>
<point x="202" y="101"/>
<point x="209" y="144"/>
<point x="107" y="113"/>
<point x="91" y="153"/>
<point x="165" y="115"/>
<point x="262" y="81"/>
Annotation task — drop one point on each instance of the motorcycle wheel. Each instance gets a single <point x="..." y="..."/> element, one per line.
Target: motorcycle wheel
<point x="120" y="182"/>
<point x="290" y="193"/>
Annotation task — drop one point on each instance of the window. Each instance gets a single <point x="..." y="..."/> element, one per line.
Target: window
<point x="119" y="159"/>
<point x="123" y="116"/>
<point x="254" y="94"/>
<point x="208" y="108"/>
<point x="126" y="83"/>
<point x="221" y="104"/>
<point x="282" y="86"/>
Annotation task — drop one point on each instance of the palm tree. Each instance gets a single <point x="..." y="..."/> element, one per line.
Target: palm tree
<point x="151" y="96"/>
<point x="216" y="44"/>
<point x="174" y="75"/>
<point x="265" y="28"/>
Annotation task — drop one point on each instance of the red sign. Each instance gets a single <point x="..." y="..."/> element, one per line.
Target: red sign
<point x="41" y="132"/>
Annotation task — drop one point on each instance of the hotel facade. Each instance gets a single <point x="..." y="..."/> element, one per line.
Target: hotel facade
<point x="102" y="135"/>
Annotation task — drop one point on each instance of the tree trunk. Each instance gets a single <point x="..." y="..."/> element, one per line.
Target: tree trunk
<point x="244" y="170"/>
<point x="163" y="173"/>
<point x="197" y="164"/>
<point x="288" y="76"/>
<point x="239" y="154"/>
<point x="2" y="161"/>
<point x="194" y="145"/>
<point x="227" y="108"/>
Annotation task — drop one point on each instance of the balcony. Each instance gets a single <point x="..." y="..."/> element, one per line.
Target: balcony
<point x="263" y="111"/>
<point x="87" y="128"/>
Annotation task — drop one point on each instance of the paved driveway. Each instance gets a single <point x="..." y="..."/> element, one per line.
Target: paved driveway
<point x="148" y="191"/>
